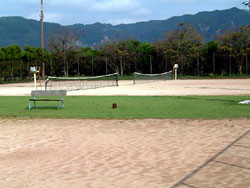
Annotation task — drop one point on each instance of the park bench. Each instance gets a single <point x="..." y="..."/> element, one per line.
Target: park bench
<point x="48" y="96"/>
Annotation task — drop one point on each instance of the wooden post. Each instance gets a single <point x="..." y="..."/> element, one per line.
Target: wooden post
<point x="135" y="64"/>
<point x="166" y="65"/>
<point x="106" y="61"/>
<point x="3" y="70"/>
<point x="214" y="64"/>
<point x="230" y="64"/>
<point x="198" y="65"/>
<point x="29" y="66"/>
<point x="78" y="66"/>
<point x="246" y="65"/>
<point x="12" y="75"/>
<point x="151" y="67"/>
<point x="20" y="70"/>
<point x="51" y="67"/>
<point x="92" y="66"/>
<point x="182" y="65"/>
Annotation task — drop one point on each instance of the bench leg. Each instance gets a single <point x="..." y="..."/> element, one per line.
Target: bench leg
<point x="58" y="105"/>
<point x="35" y="102"/>
<point x="29" y="105"/>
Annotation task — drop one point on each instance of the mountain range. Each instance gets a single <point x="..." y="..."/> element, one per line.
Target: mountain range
<point x="21" y="31"/>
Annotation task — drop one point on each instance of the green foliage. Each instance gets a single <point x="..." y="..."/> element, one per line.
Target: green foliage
<point x="29" y="53"/>
<point x="88" y="52"/>
<point x="132" y="107"/>
<point x="227" y="55"/>
<point x="212" y="47"/>
<point x="145" y="49"/>
<point x="237" y="44"/>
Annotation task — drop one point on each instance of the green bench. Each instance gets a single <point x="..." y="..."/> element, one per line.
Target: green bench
<point x="49" y="93"/>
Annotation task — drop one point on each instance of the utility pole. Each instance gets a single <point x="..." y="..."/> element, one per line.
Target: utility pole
<point x="42" y="17"/>
<point x="42" y="38"/>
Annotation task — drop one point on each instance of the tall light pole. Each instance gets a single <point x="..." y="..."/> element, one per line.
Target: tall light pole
<point x="42" y="37"/>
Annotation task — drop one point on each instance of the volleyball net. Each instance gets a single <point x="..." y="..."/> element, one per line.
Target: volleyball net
<point x="81" y="83"/>
<point x="143" y="78"/>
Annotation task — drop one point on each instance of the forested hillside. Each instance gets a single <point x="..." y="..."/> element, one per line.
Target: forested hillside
<point x="228" y="55"/>
<point x="21" y="31"/>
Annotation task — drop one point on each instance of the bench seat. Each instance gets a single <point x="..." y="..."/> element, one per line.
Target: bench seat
<point x="45" y="99"/>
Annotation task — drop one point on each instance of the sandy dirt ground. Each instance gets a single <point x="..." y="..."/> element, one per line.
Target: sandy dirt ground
<point x="38" y="153"/>
<point x="150" y="153"/>
<point x="159" y="88"/>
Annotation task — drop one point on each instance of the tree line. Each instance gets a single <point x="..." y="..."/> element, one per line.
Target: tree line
<point x="227" y="54"/>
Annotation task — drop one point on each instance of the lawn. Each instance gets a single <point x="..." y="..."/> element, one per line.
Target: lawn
<point x="130" y="107"/>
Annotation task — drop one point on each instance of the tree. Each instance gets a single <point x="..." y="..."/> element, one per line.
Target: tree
<point x="120" y="54"/>
<point x="29" y="56"/>
<point x="133" y="52"/>
<point x="237" y="43"/>
<point x="146" y="51"/>
<point x="89" y="54"/>
<point x="212" y="48"/>
<point x="110" y="50"/>
<point x="182" y="45"/>
<point x="1" y="61"/>
<point x="62" y="44"/>
<point x="6" y="58"/>
<point x="15" y="54"/>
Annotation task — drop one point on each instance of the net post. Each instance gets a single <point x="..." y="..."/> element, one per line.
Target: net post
<point x="134" y="77"/>
<point x="116" y="79"/>
<point x="46" y="84"/>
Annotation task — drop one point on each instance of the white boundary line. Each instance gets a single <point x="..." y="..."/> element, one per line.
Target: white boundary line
<point x="23" y="146"/>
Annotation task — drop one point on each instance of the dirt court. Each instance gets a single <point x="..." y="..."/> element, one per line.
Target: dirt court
<point x="150" y="153"/>
<point x="124" y="153"/>
<point x="159" y="88"/>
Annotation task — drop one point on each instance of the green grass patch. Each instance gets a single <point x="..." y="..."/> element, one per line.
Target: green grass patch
<point x="129" y="107"/>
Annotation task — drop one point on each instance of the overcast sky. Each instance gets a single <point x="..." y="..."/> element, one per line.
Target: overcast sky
<point x="68" y="12"/>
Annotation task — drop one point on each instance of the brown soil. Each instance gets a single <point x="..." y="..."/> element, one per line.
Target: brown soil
<point x="158" y="88"/>
<point x="38" y="153"/>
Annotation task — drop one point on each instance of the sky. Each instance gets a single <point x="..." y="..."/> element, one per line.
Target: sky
<point x="69" y="12"/>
